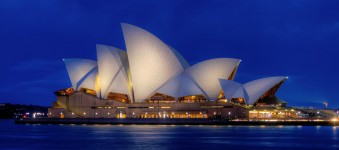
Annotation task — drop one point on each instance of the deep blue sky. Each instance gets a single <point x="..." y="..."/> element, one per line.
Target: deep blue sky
<point x="299" y="39"/>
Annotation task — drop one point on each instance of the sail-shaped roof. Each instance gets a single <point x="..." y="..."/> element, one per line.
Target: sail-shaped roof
<point x="152" y="63"/>
<point x="112" y="71"/>
<point x="207" y="74"/>
<point x="257" y="88"/>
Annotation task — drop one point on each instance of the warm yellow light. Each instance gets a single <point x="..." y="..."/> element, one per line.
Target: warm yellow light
<point x="97" y="84"/>
<point x="334" y="119"/>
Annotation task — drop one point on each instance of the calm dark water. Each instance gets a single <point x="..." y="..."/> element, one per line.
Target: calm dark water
<point x="165" y="137"/>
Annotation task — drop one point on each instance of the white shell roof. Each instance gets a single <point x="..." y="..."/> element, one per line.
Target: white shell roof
<point x="150" y="66"/>
<point x="172" y="87"/>
<point x="91" y="82"/>
<point x="207" y="74"/>
<point x="112" y="72"/>
<point x="182" y="60"/>
<point x="188" y="87"/>
<point x="233" y="89"/>
<point x="181" y="86"/>
<point x="257" y="88"/>
<point x="152" y="63"/>
<point x="78" y="70"/>
<point x="241" y="93"/>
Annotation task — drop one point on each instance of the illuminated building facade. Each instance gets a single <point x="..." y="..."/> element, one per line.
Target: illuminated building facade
<point x="152" y="80"/>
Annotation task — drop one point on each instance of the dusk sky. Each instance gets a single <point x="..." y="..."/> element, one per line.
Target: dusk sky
<point x="294" y="38"/>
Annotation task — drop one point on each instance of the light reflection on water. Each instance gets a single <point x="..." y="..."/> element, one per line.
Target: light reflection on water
<point x="165" y="137"/>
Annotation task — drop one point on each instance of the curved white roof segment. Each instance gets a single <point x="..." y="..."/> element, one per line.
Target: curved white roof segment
<point x="150" y="66"/>
<point x="79" y="69"/>
<point x="233" y="89"/>
<point x="181" y="86"/>
<point x="182" y="60"/>
<point x="91" y="82"/>
<point x="152" y="63"/>
<point x="112" y="72"/>
<point x="241" y="93"/>
<point x="172" y="87"/>
<point x="119" y="84"/>
<point x="188" y="87"/>
<point x="207" y="74"/>
<point x="257" y="88"/>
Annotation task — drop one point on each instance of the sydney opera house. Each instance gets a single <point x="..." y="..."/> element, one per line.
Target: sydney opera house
<point x="152" y="80"/>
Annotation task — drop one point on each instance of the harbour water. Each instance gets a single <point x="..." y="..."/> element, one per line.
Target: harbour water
<point x="27" y="136"/>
